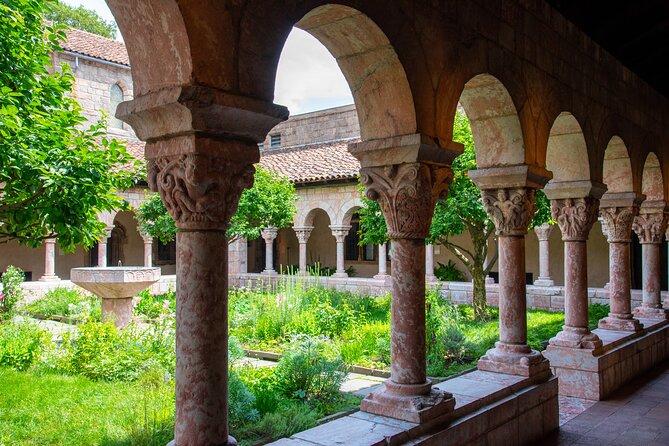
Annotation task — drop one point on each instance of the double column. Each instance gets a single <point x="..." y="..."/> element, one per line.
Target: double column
<point x="303" y="233"/>
<point x="406" y="175"/>
<point x="340" y="233"/>
<point x="617" y="213"/>
<point x="201" y="148"/>
<point x="650" y="225"/>
<point x="508" y="198"/>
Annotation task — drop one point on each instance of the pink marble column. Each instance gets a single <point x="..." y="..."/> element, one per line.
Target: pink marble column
<point x="543" y="233"/>
<point x="102" y="248"/>
<point x="617" y="226"/>
<point x="650" y="226"/>
<point x="340" y="233"/>
<point x="407" y="193"/>
<point x="575" y="216"/>
<point x="148" y="250"/>
<point x="303" y="233"/>
<point x="383" y="267"/>
<point x="512" y="209"/>
<point x="49" y="261"/>
<point x="269" y="234"/>
<point x="429" y="264"/>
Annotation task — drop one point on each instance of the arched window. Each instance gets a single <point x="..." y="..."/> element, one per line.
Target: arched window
<point x="115" y="98"/>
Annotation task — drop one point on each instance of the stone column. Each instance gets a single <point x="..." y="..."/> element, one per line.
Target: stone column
<point x="340" y="233"/>
<point x="617" y="212"/>
<point x="543" y="234"/>
<point x="148" y="250"/>
<point x="303" y="233"/>
<point x="406" y="190"/>
<point x="575" y="216"/>
<point x="508" y="198"/>
<point x="650" y="225"/>
<point x="49" y="261"/>
<point x="102" y="248"/>
<point x="429" y="264"/>
<point x="269" y="234"/>
<point x="202" y="145"/>
<point x="383" y="271"/>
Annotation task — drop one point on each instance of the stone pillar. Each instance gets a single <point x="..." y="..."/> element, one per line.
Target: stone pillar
<point x="102" y="248"/>
<point x="406" y="190"/>
<point x="303" y="233"/>
<point x="269" y="234"/>
<point x="49" y="261"/>
<point x="543" y="234"/>
<point x="617" y="212"/>
<point x="575" y="216"/>
<point x="650" y="225"/>
<point x="429" y="264"/>
<point x="383" y="267"/>
<point x="508" y="198"/>
<point x="340" y="233"/>
<point x="148" y="250"/>
<point x="202" y="145"/>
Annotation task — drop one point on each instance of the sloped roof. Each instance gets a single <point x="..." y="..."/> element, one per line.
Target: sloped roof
<point x="99" y="47"/>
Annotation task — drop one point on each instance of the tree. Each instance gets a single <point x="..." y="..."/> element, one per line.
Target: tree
<point x="461" y="211"/>
<point x="80" y="18"/>
<point x="56" y="174"/>
<point x="270" y="202"/>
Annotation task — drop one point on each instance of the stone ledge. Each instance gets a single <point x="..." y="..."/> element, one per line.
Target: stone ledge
<point x="489" y="407"/>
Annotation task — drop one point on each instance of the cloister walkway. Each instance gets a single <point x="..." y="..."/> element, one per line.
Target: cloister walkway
<point x="635" y="415"/>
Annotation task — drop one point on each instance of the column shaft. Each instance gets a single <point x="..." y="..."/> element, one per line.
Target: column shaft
<point x="512" y="291"/>
<point x="303" y="257"/>
<point x="383" y="268"/>
<point x="543" y="234"/>
<point x="650" y="226"/>
<point x="575" y="284"/>
<point x="49" y="260"/>
<point x="102" y="253"/>
<point x="429" y="263"/>
<point x="148" y="252"/>
<point x="269" y="255"/>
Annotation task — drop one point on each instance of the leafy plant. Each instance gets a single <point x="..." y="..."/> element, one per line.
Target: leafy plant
<point x="449" y="272"/>
<point x="65" y="304"/>
<point x="241" y="402"/>
<point x="21" y="345"/>
<point x="153" y="306"/>
<point x="11" y="292"/>
<point x="80" y="18"/>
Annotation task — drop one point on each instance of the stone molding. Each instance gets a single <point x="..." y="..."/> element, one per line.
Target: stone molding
<point x="650" y="225"/>
<point x="303" y="233"/>
<point x="543" y="232"/>
<point x="269" y="234"/>
<point x="617" y="223"/>
<point x="511" y="209"/>
<point x="575" y="216"/>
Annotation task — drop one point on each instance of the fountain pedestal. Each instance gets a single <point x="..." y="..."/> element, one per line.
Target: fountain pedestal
<point x="116" y="286"/>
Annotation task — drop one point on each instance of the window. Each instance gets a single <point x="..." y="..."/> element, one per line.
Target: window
<point x="166" y="254"/>
<point x="115" y="98"/>
<point x="274" y="141"/>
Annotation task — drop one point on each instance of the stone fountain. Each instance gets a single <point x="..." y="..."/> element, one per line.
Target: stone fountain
<point x="116" y="286"/>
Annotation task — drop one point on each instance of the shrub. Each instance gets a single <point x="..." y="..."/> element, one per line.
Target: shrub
<point x="449" y="272"/>
<point x="371" y="340"/>
<point x="333" y="321"/>
<point x="65" y="304"/>
<point x="22" y="344"/>
<point x="11" y="292"/>
<point x="310" y="369"/>
<point x="153" y="306"/>
<point x="288" y="420"/>
<point x="241" y="402"/>
<point x="262" y="384"/>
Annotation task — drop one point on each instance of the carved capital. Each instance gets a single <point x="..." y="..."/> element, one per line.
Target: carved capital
<point x="650" y="226"/>
<point x="200" y="191"/>
<point x="617" y="222"/>
<point x="511" y="209"/>
<point x="543" y="232"/>
<point x="303" y="233"/>
<point x="407" y="194"/>
<point x="269" y="234"/>
<point x="340" y="232"/>
<point x="575" y="216"/>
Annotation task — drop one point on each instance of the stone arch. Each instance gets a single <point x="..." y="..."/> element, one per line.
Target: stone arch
<point x="307" y="217"/>
<point x="347" y="210"/>
<point x="652" y="181"/>
<point x="116" y="244"/>
<point x="498" y="136"/>
<point x="567" y="152"/>
<point x="617" y="167"/>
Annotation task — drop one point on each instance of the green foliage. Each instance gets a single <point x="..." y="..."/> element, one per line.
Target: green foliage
<point x="310" y="370"/>
<point x="80" y="18"/>
<point x="543" y="212"/>
<point x="58" y="174"/>
<point x="11" y="292"/>
<point x="21" y="345"/>
<point x="290" y="419"/>
<point x="449" y="272"/>
<point x="241" y="402"/>
<point x="65" y="304"/>
<point x="154" y="306"/>
<point x="373" y="229"/>
<point x="270" y="202"/>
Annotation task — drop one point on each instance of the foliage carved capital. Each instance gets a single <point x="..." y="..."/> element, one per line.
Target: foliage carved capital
<point x="617" y="223"/>
<point x="303" y="233"/>
<point x="510" y="209"/>
<point x="543" y="232"/>
<point x="575" y="216"/>
<point x="407" y="194"/>
<point x="269" y="234"/>
<point x="650" y="227"/>
<point x="200" y="191"/>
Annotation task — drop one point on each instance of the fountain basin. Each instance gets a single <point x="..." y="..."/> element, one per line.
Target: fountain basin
<point x="116" y="286"/>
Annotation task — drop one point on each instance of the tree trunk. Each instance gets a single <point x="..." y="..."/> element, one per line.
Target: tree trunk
<point x="479" y="294"/>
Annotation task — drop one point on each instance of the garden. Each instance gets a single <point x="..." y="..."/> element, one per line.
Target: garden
<point x="114" y="387"/>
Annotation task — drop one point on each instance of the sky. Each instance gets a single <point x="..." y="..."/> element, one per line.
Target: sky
<point x="308" y="77"/>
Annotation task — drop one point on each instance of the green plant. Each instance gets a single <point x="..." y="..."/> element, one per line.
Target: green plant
<point x="65" y="304"/>
<point x="22" y="344"/>
<point x="333" y="321"/>
<point x="261" y="382"/>
<point x="241" y="402"/>
<point x="449" y="272"/>
<point x="291" y="418"/>
<point x="153" y="306"/>
<point x="11" y="292"/>
<point x="310" y="370"/>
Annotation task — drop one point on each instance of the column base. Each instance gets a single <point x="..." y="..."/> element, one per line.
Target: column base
<point x="49" y="279"/>
<point x="340" y="275"/>
<point x="577" y="338"/>
<point x="231" y="442"/>
<point x="620" y="322"/>
<point x="382" y="277"/>
<point x="414" y="403"/>
<point x="431" y="279"/>
<point x="544" y="281"/>
<point x="515" y="359"/>
<point x="269" y="272"/>
<point x="651" y="313"/>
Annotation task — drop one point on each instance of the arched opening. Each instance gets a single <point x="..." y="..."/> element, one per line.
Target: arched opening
<point x="115" y="98"/>
<point x="652" y="183"/>
<point x="617" y="167"/>
<point x="567" y="153"/>
<point x="321" y="247"/>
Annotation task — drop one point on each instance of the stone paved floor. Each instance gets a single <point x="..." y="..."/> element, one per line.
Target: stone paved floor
<point x="636" y="415"/>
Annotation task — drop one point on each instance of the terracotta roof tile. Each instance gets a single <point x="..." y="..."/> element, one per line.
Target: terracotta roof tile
<point x="99" y="47"/>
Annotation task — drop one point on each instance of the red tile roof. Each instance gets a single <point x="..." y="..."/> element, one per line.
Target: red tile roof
<point x="99" y="47"/>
